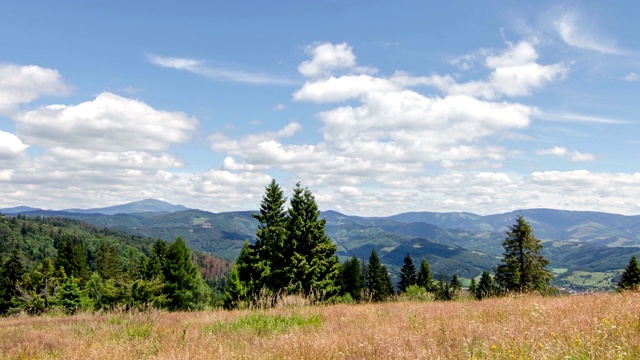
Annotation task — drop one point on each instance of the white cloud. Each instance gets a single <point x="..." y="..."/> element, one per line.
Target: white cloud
<point x="573" y="32"/>
<point x="10" y="146"/>
<point x="23" y="84"/>
<point x="515" y="72"/>
<point x="327" y="57"/>
<point x="108" y="123"/>
<point x="632" y="76"/>
<point x="570" y="117"/>
<point x="563" y="152"/>
<point x="199" y="68"/>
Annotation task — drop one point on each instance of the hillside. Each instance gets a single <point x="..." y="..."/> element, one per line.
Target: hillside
<point x="586" y="249"/>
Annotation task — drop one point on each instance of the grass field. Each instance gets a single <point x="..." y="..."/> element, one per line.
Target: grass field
<point x="599" y="326"/>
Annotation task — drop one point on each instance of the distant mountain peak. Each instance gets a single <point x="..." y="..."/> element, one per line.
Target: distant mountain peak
<point x="141" y="206"/>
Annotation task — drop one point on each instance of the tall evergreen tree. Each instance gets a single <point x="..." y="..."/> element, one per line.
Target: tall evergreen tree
<point x="314" y="267"/>
<point x="270" y="257"/>
<point x="407" y="274"/>
<point x="234" y="291"/>
<point x="11" y="272"/>
<point x="72" y="257"/>
<point x="351" y="278"/>
<point x="523" y="267"/>
<point x="425" y="276"/>
<point x="630" y="278"/>
<point x="183" y="282"/>
<point x="378" y="281"/>
<point x="154" y="266"/>
<point x="107" y="262"/>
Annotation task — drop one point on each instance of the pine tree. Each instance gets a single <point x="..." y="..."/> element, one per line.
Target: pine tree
<point x="154" y="266"/>
<point x="486" y="287"/>
<point x="70" y="296"/>
<point x="424" y="278"/>
<point x="407" y="274"/>
<point x="378" y="281"/>
<point x="184" y="286"/>
<point x="314" y="267"/>
<point x="234" y="292"/>
<point x="351" y="278"/>
<point x="11" y="272"/>
<point x="107" y="262"/>
<point x="72" y="257"/>
<point x="270" y="258"/>
<point x="630" y="278"/>
<point x="523" y="267"/>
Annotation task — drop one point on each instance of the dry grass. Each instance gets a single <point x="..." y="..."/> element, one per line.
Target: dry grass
<point x="601" y="326"/>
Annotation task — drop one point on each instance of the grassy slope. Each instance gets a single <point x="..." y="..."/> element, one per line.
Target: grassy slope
<point x="602" y="326"/>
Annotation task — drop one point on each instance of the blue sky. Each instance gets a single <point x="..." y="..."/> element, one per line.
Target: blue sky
<point x="378" y="107"/>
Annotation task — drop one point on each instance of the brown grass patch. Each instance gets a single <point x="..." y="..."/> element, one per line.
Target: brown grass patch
<point x="600" y="326"/>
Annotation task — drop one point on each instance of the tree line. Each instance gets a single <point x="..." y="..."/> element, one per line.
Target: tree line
<point x="293" y="255"/>
<point x="60" y="263"/>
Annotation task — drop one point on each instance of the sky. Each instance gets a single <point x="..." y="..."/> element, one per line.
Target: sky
<point x="378" y="107"/>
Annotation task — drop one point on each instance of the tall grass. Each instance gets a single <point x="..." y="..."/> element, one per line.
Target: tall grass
<point x="599" y="326"/>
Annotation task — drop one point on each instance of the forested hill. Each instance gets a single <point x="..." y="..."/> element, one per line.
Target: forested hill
<point x="37" y="238"/>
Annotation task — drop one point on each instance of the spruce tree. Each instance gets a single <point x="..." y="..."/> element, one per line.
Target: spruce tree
<point x="11" y="272"/>
<point x="314" y="266"/>
<point x="154" y="266"/>
<point x="630" y="278"/>
<point x="523" y="267"/>
<point x="486" y="286"/>
<point x="378" y="281"/>
<point x="107" y="262"/>
<point x="72" y="257"/>
<point x="70" y="296"/>
<point x="270" y="257"/>
<point x="424" y="278"/>
<point x="407" y="274"/>
<point x="234" y="292"/>
<point x="351" y="278"/>
<point x="184" y="286"/>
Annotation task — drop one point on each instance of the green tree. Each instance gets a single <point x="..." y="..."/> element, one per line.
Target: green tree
<point x="407" y="274"/>
<point x="522" y="268"/>
<point x="70" y="297"/>
<point x="351" y="278"/>
<point x="107" y="262"/>
<point x="425" y="276"/>
<point x="486" y="286"/>
<point x="378" y="280"/>
<point x="72" y="257"/>
<point x="184" y="286"/>
<point x="37" y="290"/>
<point x="234" y="291"/>
<point x="11" y="272"/>
<point x="154" y="266"/>
<point x="630" y="278"/>
<point x="270" y="259"/>
<point x="314" y="267"/>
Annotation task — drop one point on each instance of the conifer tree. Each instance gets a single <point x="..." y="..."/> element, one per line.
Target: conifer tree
<point x="11" y="272"/>
<point x="184" y="286"/>
<point x="630" y="278"/>
<point x="154" y="266"/>
<point x="424" y="278"/>
<point x="107" y="262"/>
<point x="407" y="274"/>
<point x="351" y="278"/>
<point x="234" y="292"/>
<point x="72" y="257"/>
<point x="523" y="267"/>
<point x="70" y="296"/>
<point x="378" y="281"/>
<point x="486" y="287"/>
<point x="270" y="258"/>
<point x="314" y="267"/>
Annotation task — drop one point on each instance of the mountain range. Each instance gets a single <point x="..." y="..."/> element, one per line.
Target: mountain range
<point x="586" y="249"/>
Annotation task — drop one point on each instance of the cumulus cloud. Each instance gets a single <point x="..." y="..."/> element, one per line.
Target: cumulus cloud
<point x="10" y="146"/>
<point x="573" y="32"/>
<point x="632" y="76"/>
<point x="563" y="152"/>
<point x="23" y="84"/>
<point x="514" y="72"/>
<point x="108" y="123"/>
<point x="225" y="74"/>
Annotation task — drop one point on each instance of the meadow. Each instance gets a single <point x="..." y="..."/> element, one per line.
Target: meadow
<point x="595" y="326"/>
